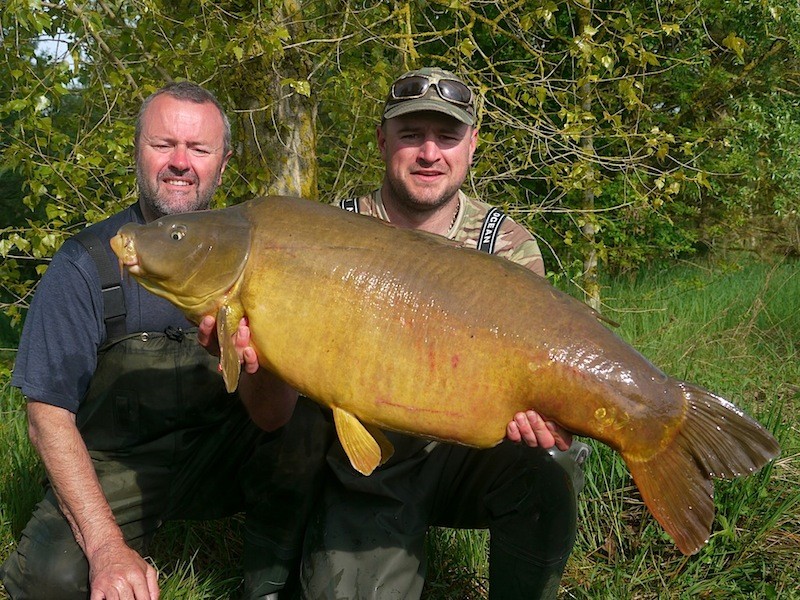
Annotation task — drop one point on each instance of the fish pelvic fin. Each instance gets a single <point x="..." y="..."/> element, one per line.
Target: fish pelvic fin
<point x="716" y="439"/>
<point x="387" y="450"/>
<point x="227" y="325"/>
<point x="365" y="445"/>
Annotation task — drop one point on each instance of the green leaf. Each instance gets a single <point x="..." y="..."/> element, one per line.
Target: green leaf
<point x="671" y="28"/>
<point x="735" y="43"/>
<point x="467" y="47"/>
<point x="16" y="105"/>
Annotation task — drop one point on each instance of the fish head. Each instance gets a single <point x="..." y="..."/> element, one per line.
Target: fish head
<point x="193" y="259"/>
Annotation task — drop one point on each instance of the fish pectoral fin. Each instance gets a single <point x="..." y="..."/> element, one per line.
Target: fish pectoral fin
<point x="366" y="447"/>
<point x="227" y="325"/>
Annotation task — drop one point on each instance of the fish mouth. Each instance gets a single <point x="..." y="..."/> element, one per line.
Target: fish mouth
<point x="125" y="249"/>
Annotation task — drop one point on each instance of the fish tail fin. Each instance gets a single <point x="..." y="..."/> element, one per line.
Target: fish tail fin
<point x="716" y="439"/>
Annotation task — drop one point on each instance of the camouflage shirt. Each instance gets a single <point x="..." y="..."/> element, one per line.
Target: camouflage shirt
<point x="514" y="242"/>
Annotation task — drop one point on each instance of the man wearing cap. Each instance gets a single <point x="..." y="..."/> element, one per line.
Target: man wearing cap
<point x="366" y="540"/>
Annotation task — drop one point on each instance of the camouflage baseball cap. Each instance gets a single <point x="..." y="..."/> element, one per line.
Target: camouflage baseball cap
<point x="433" y="89"/>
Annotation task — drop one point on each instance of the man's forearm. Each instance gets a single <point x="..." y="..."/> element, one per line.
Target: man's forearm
<point x="269" y="400"/>
<point x="54" y="434"/>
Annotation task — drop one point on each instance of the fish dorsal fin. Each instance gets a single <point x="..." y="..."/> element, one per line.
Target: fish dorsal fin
<point x="227" y="324"/>
<point x="366" y="447"/>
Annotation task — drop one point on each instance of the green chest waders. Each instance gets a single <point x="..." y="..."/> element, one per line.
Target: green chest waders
<point x="148" y="388"/>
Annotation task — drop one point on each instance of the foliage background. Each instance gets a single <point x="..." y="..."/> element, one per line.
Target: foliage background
<point x="618" y="132"/>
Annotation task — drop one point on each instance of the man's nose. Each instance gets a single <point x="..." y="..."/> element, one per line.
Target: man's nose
<point x="179" y="159"/>
<point x="429" y="150"/>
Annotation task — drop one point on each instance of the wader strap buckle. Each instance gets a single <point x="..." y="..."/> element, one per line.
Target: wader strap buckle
<point x="174" y="333"/>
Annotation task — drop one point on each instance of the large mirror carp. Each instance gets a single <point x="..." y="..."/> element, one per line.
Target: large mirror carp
<point x="401" y="330"/>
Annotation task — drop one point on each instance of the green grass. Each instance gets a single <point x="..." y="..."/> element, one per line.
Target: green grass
<point x="730" y="326"/>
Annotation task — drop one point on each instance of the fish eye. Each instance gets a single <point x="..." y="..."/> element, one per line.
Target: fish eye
<point x="178" y="232"/>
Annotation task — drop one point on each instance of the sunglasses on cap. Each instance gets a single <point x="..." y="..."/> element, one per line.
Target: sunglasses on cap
<point x="416" y="86"/>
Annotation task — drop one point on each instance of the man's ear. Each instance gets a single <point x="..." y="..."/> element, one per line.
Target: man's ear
<point x="224" y="164"/>
<point x="380" y="134"/>
<point x="473" y="143"/>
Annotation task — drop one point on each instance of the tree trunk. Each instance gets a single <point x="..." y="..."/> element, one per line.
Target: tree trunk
<point x="591" y="287"/>
<point x="278" y="118"/>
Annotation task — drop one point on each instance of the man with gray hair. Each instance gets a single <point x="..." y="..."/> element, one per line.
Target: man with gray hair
<point x="128" y="413"/>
